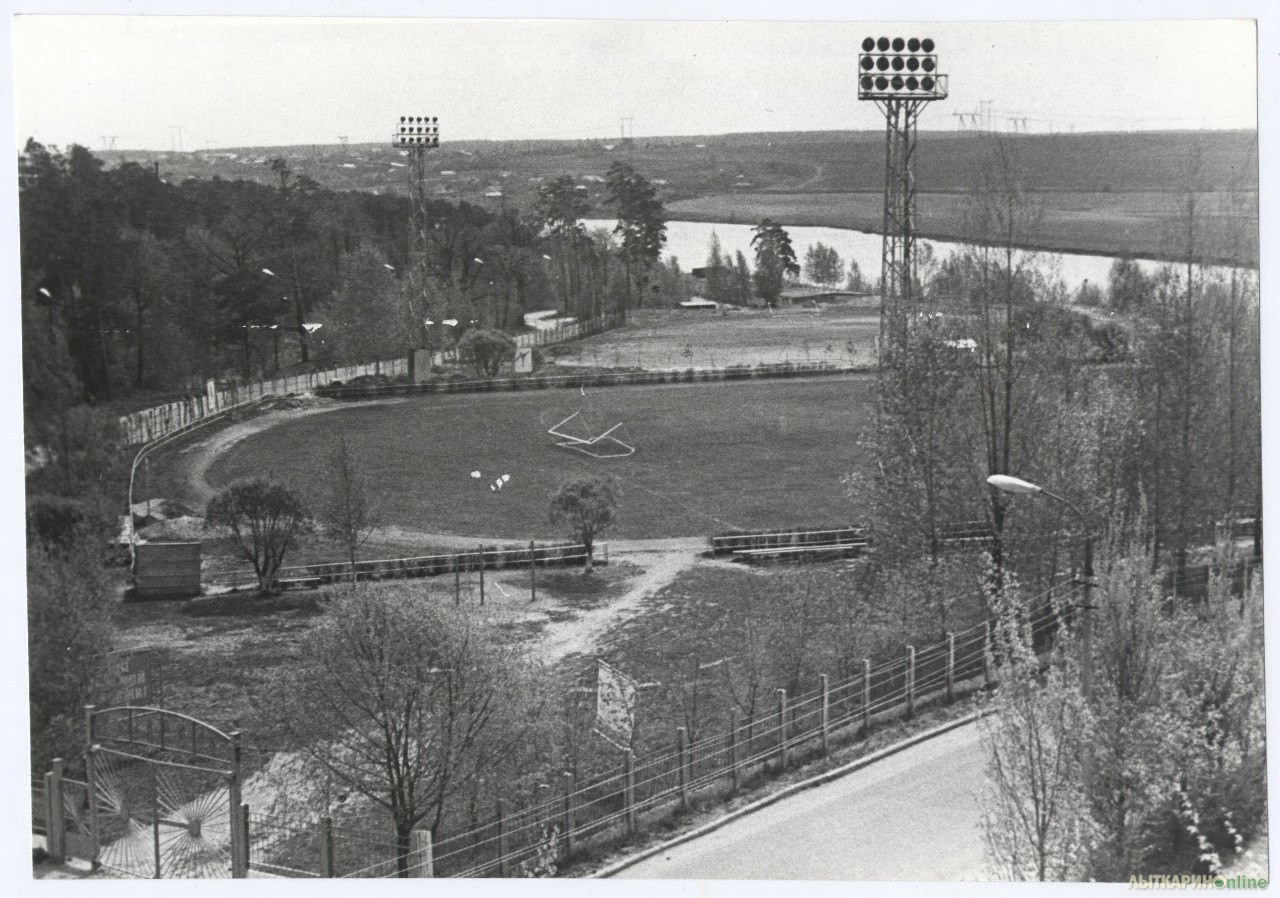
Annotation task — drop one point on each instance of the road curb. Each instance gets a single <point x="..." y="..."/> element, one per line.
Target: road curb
<point x="794" y="788"/>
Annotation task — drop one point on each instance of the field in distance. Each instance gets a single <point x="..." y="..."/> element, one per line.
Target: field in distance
<point x="662" y="340"/>
<point x="709" y="457"/>
<point x="1143" y="225"/>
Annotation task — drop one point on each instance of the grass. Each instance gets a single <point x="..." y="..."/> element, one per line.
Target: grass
<point x="691" y="638"/>
<point x="1121" y="224"/>
<point x="710" y="457"/>
<point x="660" y="339"/>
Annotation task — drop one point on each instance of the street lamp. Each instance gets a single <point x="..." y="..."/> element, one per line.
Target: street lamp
<point x="1019" y="487"/>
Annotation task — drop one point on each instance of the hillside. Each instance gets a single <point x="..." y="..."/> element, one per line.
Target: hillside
<point x="1103" y="192"/>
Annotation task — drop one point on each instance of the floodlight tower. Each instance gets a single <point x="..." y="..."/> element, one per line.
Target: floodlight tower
<point x="416" y="134"/>
<point x="900" y="75"/>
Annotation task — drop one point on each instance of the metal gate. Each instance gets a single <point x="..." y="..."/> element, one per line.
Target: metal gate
<point x="163" y="789"/>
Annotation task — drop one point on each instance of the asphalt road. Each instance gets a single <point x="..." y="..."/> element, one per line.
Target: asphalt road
<point x="911" y="816"/>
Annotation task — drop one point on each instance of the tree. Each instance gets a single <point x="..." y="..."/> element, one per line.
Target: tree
<point x="561" y="208"/>
<point x="366" y="318"/>
<point x="642" y="223"/>
<point x="264" y="519"/>
<point x="823" y="264"/>
<point x="350" y="515"/>
<point x="69" y="632"/>
<point x="775" y="260"/>
<point x="406" y="701"/>
<point x="856" y="283"/>
<point x="487" y="349"/>
<point x="1035" y="820"/>
<point x="587" y="505"/>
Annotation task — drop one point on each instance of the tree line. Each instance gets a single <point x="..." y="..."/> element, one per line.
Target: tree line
<point x="130" y="283"/>
<point x="1138" y="404"/>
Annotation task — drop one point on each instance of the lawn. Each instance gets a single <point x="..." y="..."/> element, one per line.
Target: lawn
<point x="709" y="457"/>
<point x="1119" y="224"/>
<point x="662" y="339"/>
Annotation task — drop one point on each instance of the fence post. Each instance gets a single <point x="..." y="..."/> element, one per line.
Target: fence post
<point x="986" y="653"/>
<point x="733" y="749"/>
<point x="826" y="712"/>
<point x="244" y="837"/>
<point x="239" y="859"/>
<point x="629" y="791"/>
<point x="866" y="696"/>
<point x="482" y="577"/>
<point x="90" y="761"/>
<point x="909" y="686"/>
<point x="502" y="841"/>
<point x="55" y="822"/>
<point x="533" y="574"/>
<point x="951" y="667"/>
<point x="457" y="582"/>
<point x="421" y="861"/>
<point x="682" y="768"/>
<point x="570" y="809"/>
<point x="782" y="728"/>
<point x="327" y="869"/>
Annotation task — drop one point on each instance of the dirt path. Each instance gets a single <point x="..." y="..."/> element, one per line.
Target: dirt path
<point x="190" y="464"/>
<point x="662" y="563"/>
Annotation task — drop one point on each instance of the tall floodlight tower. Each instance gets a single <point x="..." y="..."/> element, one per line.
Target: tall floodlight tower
<point x="416" y="134"/>
<point x="900" y="75"/>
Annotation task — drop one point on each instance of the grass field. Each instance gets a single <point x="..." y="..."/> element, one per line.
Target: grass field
<point x="709" y="457"/>
<point x="1124" y="224"/>
<point x="657" y="340"/>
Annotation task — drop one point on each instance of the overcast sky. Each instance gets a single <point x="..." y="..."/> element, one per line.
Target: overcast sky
<point x="156" y="82"/>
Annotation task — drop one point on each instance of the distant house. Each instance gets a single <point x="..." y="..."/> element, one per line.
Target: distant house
<point x="598" y="179"/>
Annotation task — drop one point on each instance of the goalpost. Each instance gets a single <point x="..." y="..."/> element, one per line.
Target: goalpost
<point x="606" y="445"/>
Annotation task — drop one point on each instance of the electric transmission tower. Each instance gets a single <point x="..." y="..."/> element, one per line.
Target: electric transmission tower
<point x="901" y="77"/>
<point x="416" y="134"/>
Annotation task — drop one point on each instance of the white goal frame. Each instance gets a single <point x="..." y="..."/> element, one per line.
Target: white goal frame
<point x="588" y="447"/>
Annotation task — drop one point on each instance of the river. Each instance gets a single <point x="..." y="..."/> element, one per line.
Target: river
<point x="689" y="242"/>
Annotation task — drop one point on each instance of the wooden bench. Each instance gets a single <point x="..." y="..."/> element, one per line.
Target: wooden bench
<point x="811" y="549"/>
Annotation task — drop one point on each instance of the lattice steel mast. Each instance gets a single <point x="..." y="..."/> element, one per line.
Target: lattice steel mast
<point x="900" y="76"/>
<point x="417" y="134"/>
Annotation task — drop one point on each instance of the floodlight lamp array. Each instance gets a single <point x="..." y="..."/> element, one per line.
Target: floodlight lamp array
<point x="893" y="68"/>
<point x="417" y="131"/>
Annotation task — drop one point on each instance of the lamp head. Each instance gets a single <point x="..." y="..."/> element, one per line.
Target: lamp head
<point x="1007" y="484"/>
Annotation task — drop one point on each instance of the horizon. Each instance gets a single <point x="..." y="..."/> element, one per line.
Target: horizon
<point x="181" y="84"/>
<point x="101" y="151"/>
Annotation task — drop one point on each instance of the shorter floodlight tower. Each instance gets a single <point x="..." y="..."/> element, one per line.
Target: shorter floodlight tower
<point x="901" y="77"/>
<point x="416" y="134"/>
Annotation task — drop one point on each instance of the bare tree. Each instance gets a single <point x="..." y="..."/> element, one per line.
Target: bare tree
<point x="1035" y="820"/>
<point x="406" y="701"/>
<point x="349" y="511"/>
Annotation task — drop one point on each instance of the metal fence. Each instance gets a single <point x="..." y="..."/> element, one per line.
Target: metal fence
<point x="639" y="792"/>
<point x="482" y="559"/>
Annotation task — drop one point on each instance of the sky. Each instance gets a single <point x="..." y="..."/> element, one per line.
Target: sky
<point x="195" y="83"/>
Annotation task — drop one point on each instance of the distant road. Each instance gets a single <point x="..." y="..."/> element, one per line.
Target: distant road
<point x="912" y="816"/>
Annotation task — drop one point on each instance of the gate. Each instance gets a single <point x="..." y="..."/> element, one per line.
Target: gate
<point x="162" y="791"/>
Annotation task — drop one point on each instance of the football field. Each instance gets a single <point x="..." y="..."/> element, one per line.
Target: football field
<point x="708" y="457"/>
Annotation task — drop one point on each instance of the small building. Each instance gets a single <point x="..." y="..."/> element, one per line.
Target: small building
<point x="807" y="295"/>
<point x="699" y="304"/>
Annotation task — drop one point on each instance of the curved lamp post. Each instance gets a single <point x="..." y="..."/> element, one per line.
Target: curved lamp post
<point x="1019" y="487"/>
